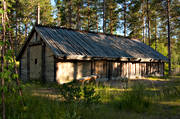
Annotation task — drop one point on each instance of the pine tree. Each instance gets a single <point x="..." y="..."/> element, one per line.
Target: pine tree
<point x="112" y="16"/>
<point x="169" y="37"/>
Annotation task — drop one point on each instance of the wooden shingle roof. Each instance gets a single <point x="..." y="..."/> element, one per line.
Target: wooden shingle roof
<point x="68" y="42"/>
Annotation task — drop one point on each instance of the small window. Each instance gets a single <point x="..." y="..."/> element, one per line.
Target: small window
<point x="35" y="61"/>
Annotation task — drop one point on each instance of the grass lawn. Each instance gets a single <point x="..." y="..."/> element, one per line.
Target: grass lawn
<point x="153" y="98"/>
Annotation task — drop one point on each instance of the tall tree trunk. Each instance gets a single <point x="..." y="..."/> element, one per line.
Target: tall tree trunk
<point x="97" y="23"/>
<point x="143" y="20"/>
<point x="148" y="21"/>
<point x="144" y="38"/>
<point x="16" y="37"/>
<point x="155" y="33"/>
<point x="78" y="17"/>
<point x="124" y="18"/>
<point x="2" y="59"/>
<point x="88" y="16"/>
<point x="169" y="35"/>
<point x="69" y="14"/>
<point x="110" y="18"/>
<point x="111" y="28"/>
<point x="104" y="16"/>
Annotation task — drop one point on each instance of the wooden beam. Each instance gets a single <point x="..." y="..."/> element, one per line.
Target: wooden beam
<point x="55" y="69"/>
<point x="147" y="69"/>
<point x="43" y="65"/>
<point x="92" y="67"/>
<point x="35" y="43"/>
<point x="28" y="63"/>
<point x="135" y="69"/>
<point x="75" y="69"/>
<point x="109" y="70"/>
<point x="140" y="73"/>
<point x="163" y="68"/>
<point x="158" y="67"/>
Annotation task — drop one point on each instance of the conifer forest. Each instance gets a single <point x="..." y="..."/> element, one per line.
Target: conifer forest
<point x="153" y="22"/>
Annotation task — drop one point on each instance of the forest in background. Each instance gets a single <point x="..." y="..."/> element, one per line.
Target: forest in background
<point x="142" y="19"/>
<point x="154" y="22"/>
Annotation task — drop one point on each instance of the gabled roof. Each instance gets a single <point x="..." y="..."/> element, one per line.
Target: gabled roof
<point x="68" y="42"/>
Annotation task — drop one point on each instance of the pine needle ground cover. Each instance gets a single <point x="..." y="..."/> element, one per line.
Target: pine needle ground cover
<point x="149" y="99"/>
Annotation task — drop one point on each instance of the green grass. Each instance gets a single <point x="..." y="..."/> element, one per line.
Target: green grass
<point x="150" y="99"/>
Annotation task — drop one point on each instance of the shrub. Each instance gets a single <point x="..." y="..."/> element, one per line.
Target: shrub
<point x="90" y="95"/>
<point x="73" y="92"/>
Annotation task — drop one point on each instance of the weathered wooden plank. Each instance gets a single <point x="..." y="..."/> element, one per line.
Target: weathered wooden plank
<point x="109" y="70"/>
<point x="55" y="69"/>
<point x="35" y="43"/>
<point x="43" y="65"/>
<point x="92" y="67"/>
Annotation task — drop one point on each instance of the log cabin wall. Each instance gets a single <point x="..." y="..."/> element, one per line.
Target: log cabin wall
<point x="32" y="61"/>
<point x="65" y="72"/>
<point x="49" y="64"/>
<point x="134" y="70"/>
<point x="70" y="70"/>
<point x="83" y="69"/>
<point x="35" y="62"/>
<point x="35" y="56"/>
<point x="101" y="69"/>
<point x="105" y="70"/>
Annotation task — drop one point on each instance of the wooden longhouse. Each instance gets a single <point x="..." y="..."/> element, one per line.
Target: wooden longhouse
<point x="62" y="55"/>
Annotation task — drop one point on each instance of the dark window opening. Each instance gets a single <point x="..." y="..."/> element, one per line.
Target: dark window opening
<point x="35" y="61"/>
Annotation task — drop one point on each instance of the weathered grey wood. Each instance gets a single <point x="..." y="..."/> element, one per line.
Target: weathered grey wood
<point x="73" y="54"/>
<point x="49" y="61"/>
<point x="43" y="65"/>
<point x="158" y="67"/>
<point x="55" y="69"/>
<point x="163" y="68"/>
<point x="92" y="67"/>
<point x="109" y="72"/>
<point x="35" y="43"/>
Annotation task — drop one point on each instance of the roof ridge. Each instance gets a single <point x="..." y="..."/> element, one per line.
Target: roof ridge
<point x="84" y="31"/>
